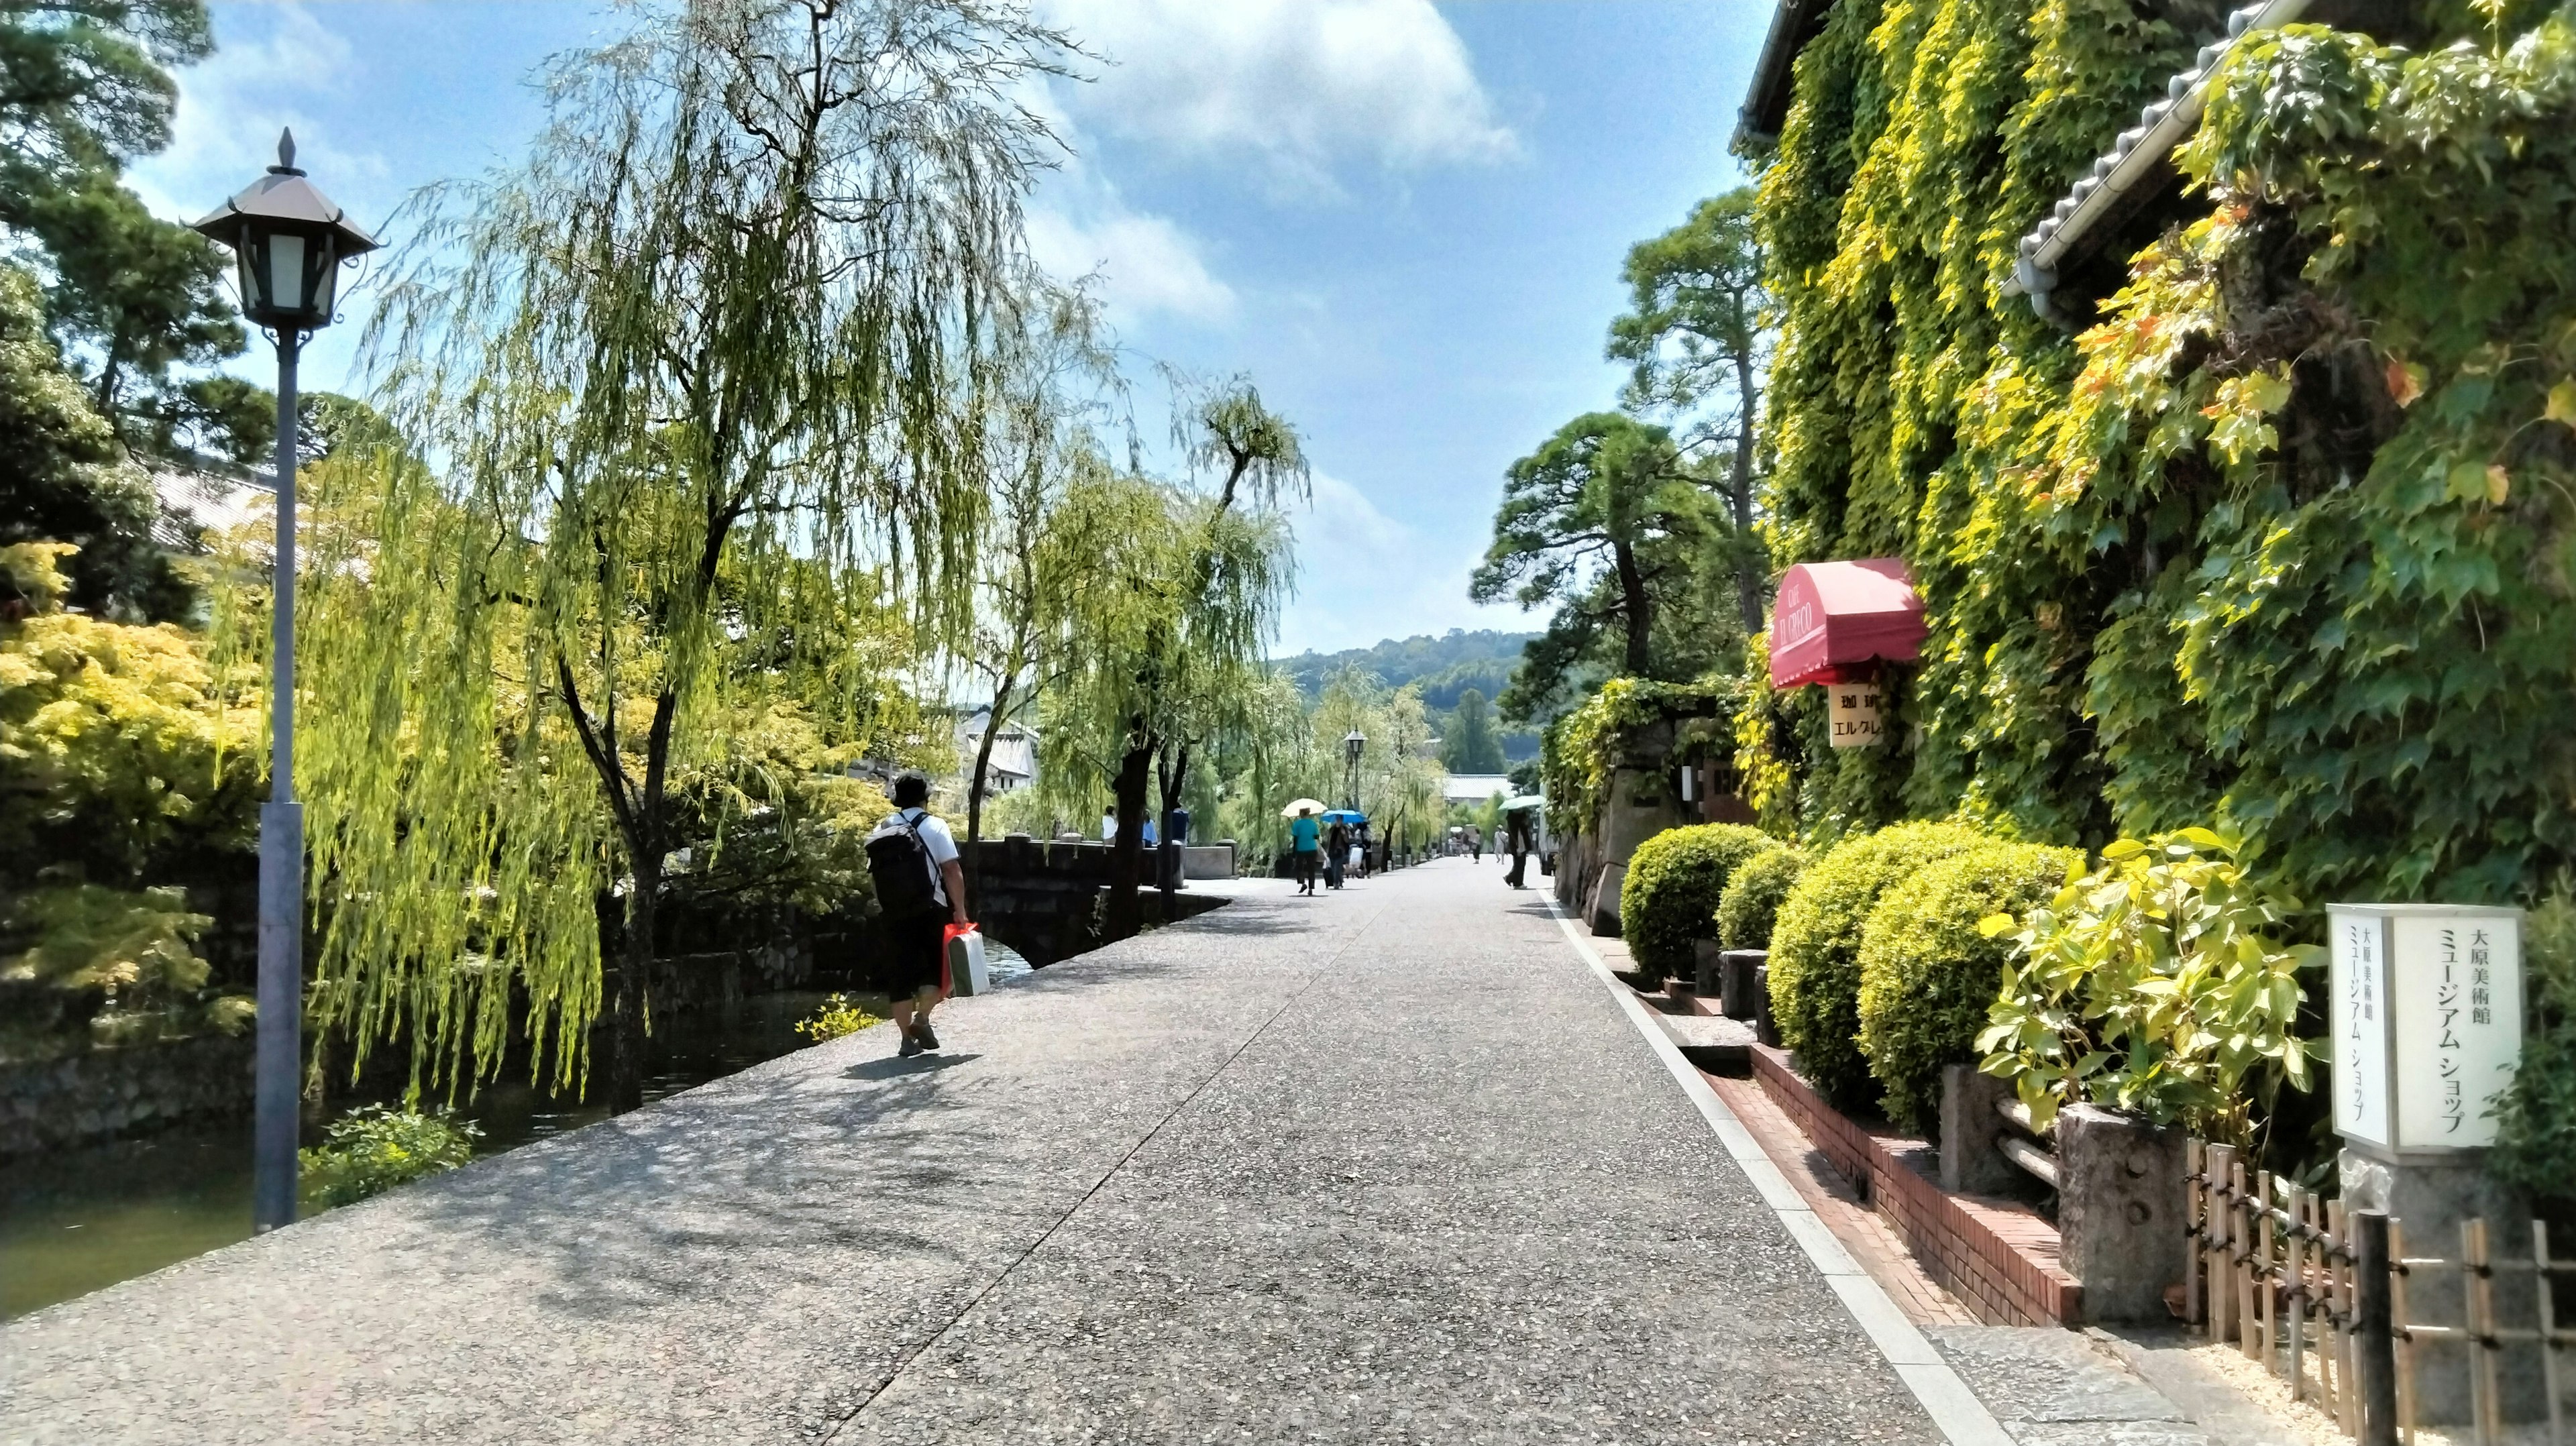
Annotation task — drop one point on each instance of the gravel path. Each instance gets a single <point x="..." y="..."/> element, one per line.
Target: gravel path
<point x="1387" y="1165"/>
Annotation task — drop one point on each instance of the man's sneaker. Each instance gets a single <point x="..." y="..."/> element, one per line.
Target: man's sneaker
<point x="911" y="1046"/>
<point x="921" y="1032"/>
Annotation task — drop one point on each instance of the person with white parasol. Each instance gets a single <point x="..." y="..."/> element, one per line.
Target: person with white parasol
<point x="1305" y="833"/>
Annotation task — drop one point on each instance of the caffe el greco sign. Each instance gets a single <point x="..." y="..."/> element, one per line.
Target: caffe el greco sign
<point x="2427" y="1022"/>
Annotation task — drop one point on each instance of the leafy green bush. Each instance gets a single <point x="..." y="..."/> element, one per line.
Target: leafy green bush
<point x="123" y="960"/>
<point x="837" y="1017"/>
<point x="1753" y="897"/>
<point x="2535" y="1148"/>
<point x="1815" y="948"/>
<point x="1673" y="885"/>
<point x="2155" y="984"/>
<point x="373" y="1148"/>
<point x="1928" y="975"/>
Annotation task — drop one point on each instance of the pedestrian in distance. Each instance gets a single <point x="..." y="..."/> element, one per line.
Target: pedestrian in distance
<point x="912" y="857"/>
<point x="1516" y="827"/>
<point x="1476" y="841"/>
<point x="1302" y="838"/>
<point x="1337" y="851"/>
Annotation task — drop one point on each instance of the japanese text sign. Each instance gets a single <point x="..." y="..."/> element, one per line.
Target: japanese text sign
<point x="2426" y="1016"/>
<point x="1853" y="709"/>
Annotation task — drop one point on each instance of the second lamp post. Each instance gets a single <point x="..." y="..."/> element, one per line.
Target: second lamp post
<point x="287" y="241"/>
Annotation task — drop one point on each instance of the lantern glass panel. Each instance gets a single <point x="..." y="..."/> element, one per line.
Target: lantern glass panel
<point x="246" y="272"/>
<point x="286" y="273"/>
<point x="326" y="277"/>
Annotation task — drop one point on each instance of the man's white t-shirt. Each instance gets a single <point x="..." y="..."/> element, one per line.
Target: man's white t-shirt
<point x="937" y="839"/>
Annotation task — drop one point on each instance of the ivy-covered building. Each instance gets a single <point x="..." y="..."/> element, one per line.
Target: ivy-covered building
<point x="2215" y="375"/>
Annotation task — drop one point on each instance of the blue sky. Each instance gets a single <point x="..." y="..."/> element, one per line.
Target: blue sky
<point x="1404" y="221"/>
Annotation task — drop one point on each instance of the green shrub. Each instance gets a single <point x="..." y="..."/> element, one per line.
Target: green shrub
<point x="837" y="1017"/>
<point x="1815" y="948"/>
<point x="2535" y="1148"/>
<point x="1929" y="976"/>
<point x="1753" y="897"/>
<point x="2156" y="984"/>
<point x="1670" y="895"/>
<point x="373" y="1148"/>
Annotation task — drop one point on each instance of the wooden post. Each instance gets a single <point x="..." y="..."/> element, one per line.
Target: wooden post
<point x="2398" y="1321"/>
<point x="2374" y="1326"/>
<point x="2241" y="1235"/>
<point x="2296" y="1272"/>
<point x="2337" y="1336"/>
<point x="2195" y="1226"/>
<point x="2267" y="1319"/>
<point x="2347" y="1373"/>
<point x="2477" y="1292"/>
<point x="2548" y="1333"/>
<point x="2221" y="1277"/>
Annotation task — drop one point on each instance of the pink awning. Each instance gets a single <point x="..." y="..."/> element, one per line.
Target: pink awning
<point x="1832" y="618"/>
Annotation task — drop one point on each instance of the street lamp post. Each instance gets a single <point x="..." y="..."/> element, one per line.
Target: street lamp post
<point x="287" y="241"/>
<point x="1352" y="743"/>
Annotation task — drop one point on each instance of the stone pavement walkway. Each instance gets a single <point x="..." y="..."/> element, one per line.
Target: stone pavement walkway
<point x="1387" y="1165"/>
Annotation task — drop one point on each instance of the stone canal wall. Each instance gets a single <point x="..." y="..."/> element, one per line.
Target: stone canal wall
<point x="54" y="1104"/>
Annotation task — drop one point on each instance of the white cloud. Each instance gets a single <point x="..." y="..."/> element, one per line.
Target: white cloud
<point x="1364" y="575"/>
<point x="1297" y="84"/>
<point x="1146" y="264"/>
<point x="232" y="107"/>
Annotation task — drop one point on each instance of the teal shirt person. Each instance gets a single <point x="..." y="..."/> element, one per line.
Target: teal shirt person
<point x="1302" y="830"/>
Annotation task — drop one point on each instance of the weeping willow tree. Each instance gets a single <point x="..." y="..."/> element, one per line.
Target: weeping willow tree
<point x="703" y="378"/>
<point x="1197" y="591"/>
<point x="1033" y="581"/>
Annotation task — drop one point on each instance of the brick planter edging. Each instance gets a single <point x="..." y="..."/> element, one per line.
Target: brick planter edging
<point x="2000" y="1258"/>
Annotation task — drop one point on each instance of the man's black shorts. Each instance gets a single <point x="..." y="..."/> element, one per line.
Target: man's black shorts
<point x="917" y="953"/>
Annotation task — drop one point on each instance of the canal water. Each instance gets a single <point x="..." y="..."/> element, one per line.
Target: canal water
<point x="76" y="1221"/>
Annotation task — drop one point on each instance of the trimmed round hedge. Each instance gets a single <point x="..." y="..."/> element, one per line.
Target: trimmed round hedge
<point x="1928" y="977"/>
<point x="1815" y="949"/>
<point x="1752" y="900"/>
<point x="1669" y="897"/>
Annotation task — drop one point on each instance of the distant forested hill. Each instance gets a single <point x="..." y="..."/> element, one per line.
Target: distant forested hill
<point x="1442" y="666"/>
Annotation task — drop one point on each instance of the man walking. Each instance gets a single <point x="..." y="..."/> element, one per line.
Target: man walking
<point x="913" y="859"/>
<point x="1516" y="827"/>
<point x="1303" y="836"/>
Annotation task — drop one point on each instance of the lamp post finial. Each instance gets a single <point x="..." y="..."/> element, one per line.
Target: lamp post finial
<point x="285" y="154"/>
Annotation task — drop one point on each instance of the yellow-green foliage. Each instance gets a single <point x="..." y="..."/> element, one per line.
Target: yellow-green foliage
<point x="1670" y="894"/>
<point x="1751" y="904"/>
<point x="2157" y="983"/>
<point x="116" y="739"/>
<point x="373" y="1148"/>
<point x="125" y="958"/>
<point x="2288" y="532"/>
<point x="1929" y="976"/>
<point x="837" y="1017"/>
<point x="1580" y="750"/>
<point x="1815" y="948"/>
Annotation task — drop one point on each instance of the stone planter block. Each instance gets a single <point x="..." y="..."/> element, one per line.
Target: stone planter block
<point x="1970" y="1163"/>
<point x="1742" y="987"/>
<point x="1765" y="1028"/>
<point x="1708" y="968"/>
<point x="2120" y="1211"/>
<point x="1604" y="916"/>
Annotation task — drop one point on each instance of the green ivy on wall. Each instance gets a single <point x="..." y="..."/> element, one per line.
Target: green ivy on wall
<point x="2283" y="539"/>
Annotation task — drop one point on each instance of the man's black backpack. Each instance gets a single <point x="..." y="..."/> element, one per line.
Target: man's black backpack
<point x="907" y="881"/>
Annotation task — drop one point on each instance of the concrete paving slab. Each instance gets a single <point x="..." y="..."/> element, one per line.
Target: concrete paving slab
<point x="1382" y="1165"/>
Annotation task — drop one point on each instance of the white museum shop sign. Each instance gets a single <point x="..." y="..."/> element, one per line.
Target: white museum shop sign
<point x="2427" y="1022"/>
<point x="1853" y="709"/>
